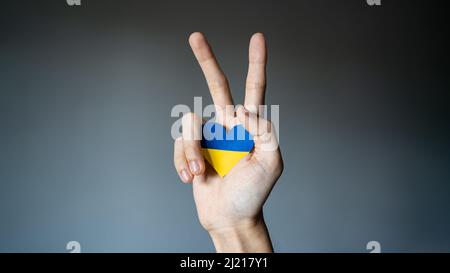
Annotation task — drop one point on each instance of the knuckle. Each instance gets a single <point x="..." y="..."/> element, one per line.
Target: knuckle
<point x="218" y="84"/>
<point x="192" y="151"/>
<point x="187" y="117"/>
<point x="265" y="128"/>
<point x="190" y="118"/>
<point x="255" y="86"/>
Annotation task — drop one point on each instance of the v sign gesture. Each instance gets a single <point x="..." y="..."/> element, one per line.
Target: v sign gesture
<point x="230" y="207"/>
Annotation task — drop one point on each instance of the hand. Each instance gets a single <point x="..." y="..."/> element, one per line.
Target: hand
<point x="230" y="208"/>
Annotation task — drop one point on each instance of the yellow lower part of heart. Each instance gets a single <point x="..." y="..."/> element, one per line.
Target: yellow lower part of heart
<point x="222" y="161"/>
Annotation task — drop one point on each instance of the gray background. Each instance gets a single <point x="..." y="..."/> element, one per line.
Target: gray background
<point x="85" y="100"/>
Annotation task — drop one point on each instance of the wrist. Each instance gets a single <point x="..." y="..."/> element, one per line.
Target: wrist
<point x="250" y="236"/>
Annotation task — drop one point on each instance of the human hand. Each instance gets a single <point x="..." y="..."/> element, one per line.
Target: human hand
<point x="230" y="207"/>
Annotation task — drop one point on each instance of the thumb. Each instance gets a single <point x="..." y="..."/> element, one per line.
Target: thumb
<point x="262" y="130"/>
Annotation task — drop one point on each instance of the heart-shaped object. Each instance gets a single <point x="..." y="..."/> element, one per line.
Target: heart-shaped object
<point x="222" y="148"/>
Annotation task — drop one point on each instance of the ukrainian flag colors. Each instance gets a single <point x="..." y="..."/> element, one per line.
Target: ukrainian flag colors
<point x="224" y="149"/>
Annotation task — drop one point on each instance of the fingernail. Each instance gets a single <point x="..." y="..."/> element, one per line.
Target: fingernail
<point x="246" y="112"/>
<point x="185" y="176"/>
<point x="194" y="166"/>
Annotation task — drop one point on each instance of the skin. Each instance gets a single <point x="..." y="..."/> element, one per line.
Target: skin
<point x="231" y="208"/>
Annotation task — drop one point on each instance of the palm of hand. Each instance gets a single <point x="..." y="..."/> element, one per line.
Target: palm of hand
<point x="237" y="198"/>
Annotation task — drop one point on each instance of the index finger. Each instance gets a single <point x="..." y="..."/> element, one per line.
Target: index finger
<point x="217" y="82"/>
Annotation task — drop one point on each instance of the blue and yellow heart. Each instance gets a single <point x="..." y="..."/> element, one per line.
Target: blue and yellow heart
<point x="222" y="148"/>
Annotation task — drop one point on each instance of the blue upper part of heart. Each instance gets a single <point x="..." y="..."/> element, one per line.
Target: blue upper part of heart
<point x="215" y="136"/>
